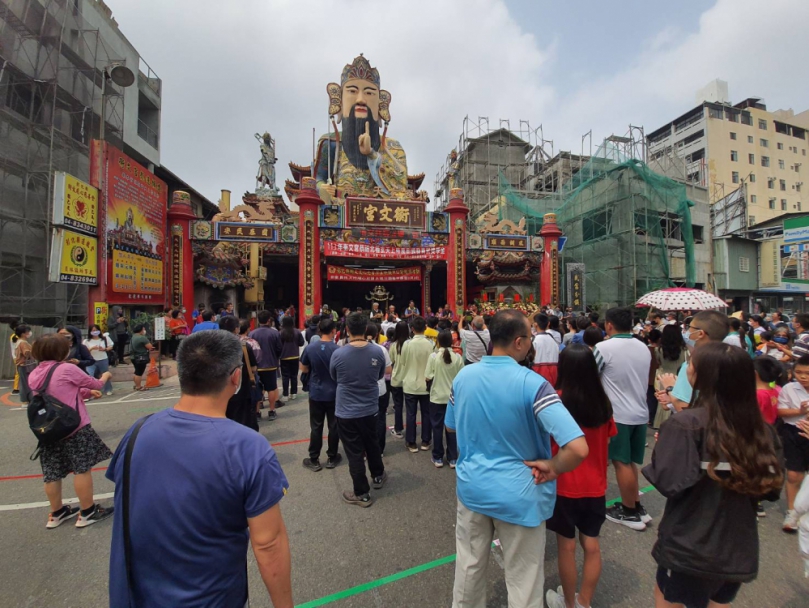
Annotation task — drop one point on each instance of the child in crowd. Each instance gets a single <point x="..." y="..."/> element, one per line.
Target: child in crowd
<point x="580" y="494"/>
<point x="442" y="367"/>
<point x="793" y="407"/>
<point x="768" y="386"/>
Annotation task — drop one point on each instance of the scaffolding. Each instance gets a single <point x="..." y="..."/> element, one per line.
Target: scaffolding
<point x="629" y="226"/>
<point x="53" y="67"/>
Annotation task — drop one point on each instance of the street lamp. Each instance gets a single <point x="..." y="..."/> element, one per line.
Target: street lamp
<point x="120" y="75"/>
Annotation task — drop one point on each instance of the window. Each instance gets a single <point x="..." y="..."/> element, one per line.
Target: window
<point x="735" y="177"/>
<point x="747" y="119"/>
<point x="715" y="113"/>
<point x="798" y="187"/>
<point x="780" y="164"/>
<point x="752" y="178"/>
<point x="765" y="161"/>
<point x="751" y="158"/>
<point x="772" y="203"/>
<point x="751" y="220"/>
<point x="749" y="139"/>
<point x="753" y="199"/>
<point x="732" y="135"/>
<point x="783" y="204"/>
<point x="803" y="151"/>
<point x="596" y="225"/>
<point x="734" y="155"/>
<point x="783" y="184"/>
<point x="699" y="233"/>
<point x="744" y="264"/>
<point x="762" y="124"/>
<point x="779" y="145"/>
<point x="771" y="182"/>
<point x="798" y="205"/>
<point x="764" y="143"/>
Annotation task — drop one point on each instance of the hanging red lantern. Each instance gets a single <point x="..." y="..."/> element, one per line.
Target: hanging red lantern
<point x="530" y="297"/>
<point x="500" y="298"/>
<point x="517" y="297"/>
<point x="485" y="297"/>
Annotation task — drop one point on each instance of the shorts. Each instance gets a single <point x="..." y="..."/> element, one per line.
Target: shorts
<point x="796" y="449"/>
<point x="269" y="379"/>
<point x="629" y="445"/>
<point x="587" y="514"/>
<point x="679" y="588"/>
<point x="78" y="454"/>
<point x="140" y="367"/>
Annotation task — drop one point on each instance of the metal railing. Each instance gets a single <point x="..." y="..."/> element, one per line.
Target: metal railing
<point x="148" y="134"/>
<point x="148" y="77"/>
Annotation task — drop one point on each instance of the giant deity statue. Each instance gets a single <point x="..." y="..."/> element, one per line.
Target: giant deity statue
<point x="359" y="161"/>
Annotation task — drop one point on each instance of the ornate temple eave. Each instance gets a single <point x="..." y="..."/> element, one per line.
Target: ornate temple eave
<point x="414" y="181"/>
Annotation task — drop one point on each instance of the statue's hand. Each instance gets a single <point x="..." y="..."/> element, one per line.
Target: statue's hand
<point x="365" y="141"/>
<point x="326" y="192"/>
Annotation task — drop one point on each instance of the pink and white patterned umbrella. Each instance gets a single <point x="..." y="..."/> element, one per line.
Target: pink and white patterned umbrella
<point x="681" y="298"/>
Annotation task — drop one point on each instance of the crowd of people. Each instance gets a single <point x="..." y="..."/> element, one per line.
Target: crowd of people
<point x="729" y="402"/>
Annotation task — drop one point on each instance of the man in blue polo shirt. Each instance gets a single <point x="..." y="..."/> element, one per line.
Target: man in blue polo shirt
<point x="206" y="323"/>
<point x="504" y="416"/>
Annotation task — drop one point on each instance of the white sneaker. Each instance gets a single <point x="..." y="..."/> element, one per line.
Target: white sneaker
<point x="554" y="599"/>
<point x="791" y="521"/>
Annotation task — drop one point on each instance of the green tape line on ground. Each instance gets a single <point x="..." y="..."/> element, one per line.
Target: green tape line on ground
<point x="341" y="595"/>
<point x="385" y="580"/>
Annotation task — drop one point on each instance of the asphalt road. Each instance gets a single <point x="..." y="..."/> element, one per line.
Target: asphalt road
<point x="398" y="553"/>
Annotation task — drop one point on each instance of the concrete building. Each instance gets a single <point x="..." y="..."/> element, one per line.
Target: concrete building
<point x="724" y="147"/>
<point x="55" y="86"/>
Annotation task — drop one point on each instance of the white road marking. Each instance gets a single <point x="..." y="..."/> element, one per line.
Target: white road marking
<point x="38" y="505"/>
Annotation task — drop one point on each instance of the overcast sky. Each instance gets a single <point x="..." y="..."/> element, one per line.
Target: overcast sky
<point x="231" y="69"/>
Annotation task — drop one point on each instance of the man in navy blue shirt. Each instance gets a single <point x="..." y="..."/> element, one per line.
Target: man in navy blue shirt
<point x="206" y="323"/>
<point x="357" y="368"/>
<point x="198" y="483"/>
<point x="315" y="361"/>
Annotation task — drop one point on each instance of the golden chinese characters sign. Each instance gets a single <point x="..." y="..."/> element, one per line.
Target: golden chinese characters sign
<point x="363" y="275"/>
<point x="75" y="204"/>
<point x="508" y="242"/>
<point x="74" y="258"/>
<point x="575" y="286"/>
<point x="387" y="213"/>
<point x="241" y="231"/>
<point x="137" y="275"/>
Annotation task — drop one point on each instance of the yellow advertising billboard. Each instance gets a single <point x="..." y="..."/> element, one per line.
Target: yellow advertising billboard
<point x="74" y="258"/>
<point x="75" y="204"/>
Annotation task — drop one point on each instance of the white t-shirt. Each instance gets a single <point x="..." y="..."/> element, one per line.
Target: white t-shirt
<point x="98" y="355"/>
<point x="556" y="336"/>
<point x="734" y="339"/>
<point x="623" y="362"/>
<point x="791" y="397"/>
<point x="547" y="350"/>
<point x="381" y="382"/>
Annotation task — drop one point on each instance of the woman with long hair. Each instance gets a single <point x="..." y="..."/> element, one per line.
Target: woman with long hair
<point x="669" y="356"/>
<point x="291" y="342"/>
<point x="99" y="345"/>
<point x="24" y="361"/>
<point x="79" y="355"/>
<point x="400" y="336"/>
<point x="78" y="452"/>
<point x="713" y="462"/>
<point x="442" y="367"/>
<point x="580" y="494"/>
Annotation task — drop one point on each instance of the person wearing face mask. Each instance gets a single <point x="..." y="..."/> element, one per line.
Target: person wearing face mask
<point x="707" y="326"/>
<point x="78" y="355"/>
<point x="99" y="346"/>
<point x="800" y="323"/>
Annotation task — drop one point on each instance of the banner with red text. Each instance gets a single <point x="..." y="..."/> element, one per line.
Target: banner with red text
<point x="394" y="275"/>
<point x="376" y="252"/>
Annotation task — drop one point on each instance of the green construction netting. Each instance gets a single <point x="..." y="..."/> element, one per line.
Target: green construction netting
<point x="629" y="226"/>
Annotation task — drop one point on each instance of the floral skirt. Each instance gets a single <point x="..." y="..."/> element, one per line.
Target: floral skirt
<point x="77" y="454"/>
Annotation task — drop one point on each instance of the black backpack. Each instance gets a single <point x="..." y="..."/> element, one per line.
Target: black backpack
<point x="49" y="419"/>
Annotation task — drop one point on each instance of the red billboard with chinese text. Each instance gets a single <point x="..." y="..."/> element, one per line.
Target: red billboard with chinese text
<point x="134" y="227"/>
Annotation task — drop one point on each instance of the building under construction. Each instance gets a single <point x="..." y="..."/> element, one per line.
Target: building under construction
<point x="629" y="229"/>
<point x="55" y="86"/>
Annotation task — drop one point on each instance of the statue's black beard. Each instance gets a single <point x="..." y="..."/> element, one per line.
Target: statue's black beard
<point x="353" y="127"/>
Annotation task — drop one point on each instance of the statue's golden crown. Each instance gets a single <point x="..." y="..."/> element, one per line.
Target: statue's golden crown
<point x="360" y="69"/>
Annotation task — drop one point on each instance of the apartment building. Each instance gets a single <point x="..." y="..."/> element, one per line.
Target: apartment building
<point x="724" y="146"/>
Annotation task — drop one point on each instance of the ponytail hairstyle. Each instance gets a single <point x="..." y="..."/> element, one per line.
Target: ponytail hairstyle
<point x="736" y="434"/>
<point x="445" y="342"/>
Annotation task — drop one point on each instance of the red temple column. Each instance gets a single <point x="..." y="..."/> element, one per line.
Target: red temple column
<point x="309" y="284"/>
<point x="456" y="253"/>
<point x="181" y="260"/>
<point x="549" y="269"/>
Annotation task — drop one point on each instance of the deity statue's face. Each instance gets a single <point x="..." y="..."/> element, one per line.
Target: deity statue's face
<point x="363" y="97"/>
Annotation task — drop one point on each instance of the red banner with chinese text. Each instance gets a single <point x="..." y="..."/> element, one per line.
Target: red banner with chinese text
<point x="363" y="275"/>
<point x="376" y="252"/>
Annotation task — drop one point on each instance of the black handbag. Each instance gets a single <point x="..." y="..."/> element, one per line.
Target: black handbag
<point x="48" y="418"/>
